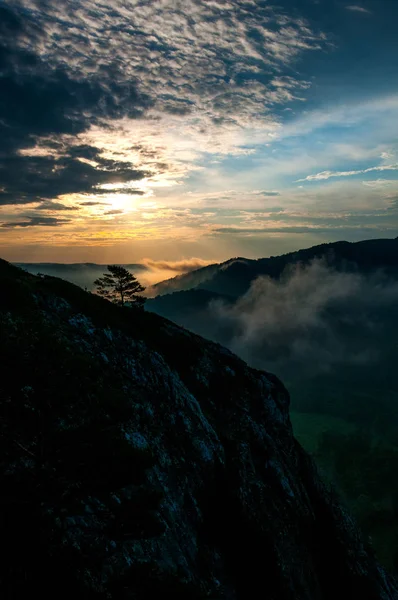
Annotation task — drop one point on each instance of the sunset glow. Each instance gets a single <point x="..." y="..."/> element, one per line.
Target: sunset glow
<point x="197" y="128"/>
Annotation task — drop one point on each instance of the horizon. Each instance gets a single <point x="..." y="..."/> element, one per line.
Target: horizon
<point x="172" y="425"/>
<point x="151" y="272"/>
<point x="170" y="130"/>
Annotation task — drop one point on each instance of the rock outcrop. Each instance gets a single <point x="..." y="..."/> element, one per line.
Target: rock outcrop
<point x="139" y="460"/>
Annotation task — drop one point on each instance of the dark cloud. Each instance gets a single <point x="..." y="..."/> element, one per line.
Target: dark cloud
<point x="35" y="222"/>
<point x="42" y="98"/>
<point x="131" y="191"/>
<point x="82" y="151"/>
<point x="72" y="68"/>
<point x="269" y="194"/>
<point x="56" y="206"/>
<point x="42" y="95"/>
<point x="68" y="68"/>
<point x="27" y="179"/>
<point x="92" y="203"/>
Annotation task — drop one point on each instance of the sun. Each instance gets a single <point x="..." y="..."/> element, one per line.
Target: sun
<point x="121" y="201"/>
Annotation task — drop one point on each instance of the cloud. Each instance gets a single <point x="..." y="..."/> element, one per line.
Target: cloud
<point x="269" y="194"/>
<point x="36" y="222"/>
<point x="178" y="266"/>
<point x="56" y="206"/>
<point x="360" y="9"/>
<point x="381" y="183"/>
<point x="41" y="100"/>
<point x="212" y="68"/>
<point x="386" y="155"/>
<point x="148" y="270"/>
<point x="348" y="114"/>
<point x="312" y="320"/>
<point x="135" y="98"/>
<point x="328" y="174"/>
<point x="26" y="179"/>
<point x="394" y="202"/>
<point x="115" y="211"/>
<point x="331" y="230"/>
<point x="229" y="199"/>
<point x="93" y="203"/>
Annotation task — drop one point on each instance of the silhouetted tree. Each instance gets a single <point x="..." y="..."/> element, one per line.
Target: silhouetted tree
<point x="120" y="286"/>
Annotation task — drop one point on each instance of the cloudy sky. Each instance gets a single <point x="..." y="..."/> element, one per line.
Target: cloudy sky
<point x="170" y="129"/>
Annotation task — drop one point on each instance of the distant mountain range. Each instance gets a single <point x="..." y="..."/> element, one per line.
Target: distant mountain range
<point x="82" y="274"/>
<point x="186" y="298"/>
<point x="324" y="319"/>
<point x="234" y="276"/>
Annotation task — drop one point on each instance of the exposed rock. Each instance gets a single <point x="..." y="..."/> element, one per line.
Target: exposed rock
<point x="139" y="460"/>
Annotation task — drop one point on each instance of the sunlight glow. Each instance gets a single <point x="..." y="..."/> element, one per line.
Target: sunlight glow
<point x="125" y="202"/>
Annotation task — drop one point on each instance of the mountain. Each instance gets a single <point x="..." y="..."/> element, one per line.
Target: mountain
<point x="82" y="274"/>
<point x="326" y="315"/>
<point x="338" y="298"/>
<point x="233" y="277"/>
<point x="186" y="281"/>
<point x="139" y="460"/>
<point x="325" y="320"/>
<point x="195" y="295"/>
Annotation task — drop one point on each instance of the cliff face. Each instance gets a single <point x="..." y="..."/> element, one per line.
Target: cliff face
<point x="140" y="460"/>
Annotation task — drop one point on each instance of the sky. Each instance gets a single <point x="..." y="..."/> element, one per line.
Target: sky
<point x="195" y="130"/>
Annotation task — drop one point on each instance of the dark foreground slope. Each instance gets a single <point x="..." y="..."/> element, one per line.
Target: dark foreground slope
<point x="140" y="461"/>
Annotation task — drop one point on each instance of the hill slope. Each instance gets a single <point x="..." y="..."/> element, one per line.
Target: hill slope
<point x="234" y="276"/>
<point x="82" y="274"/>
<point x="139" y="460"/>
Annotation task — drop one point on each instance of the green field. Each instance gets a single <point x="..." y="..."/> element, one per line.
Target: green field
<point x="308" y="427"/>
<point x="362" y="466"/>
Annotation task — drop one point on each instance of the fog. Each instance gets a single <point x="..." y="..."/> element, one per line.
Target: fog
<point x="311" y="321"/>
<point x="314" y="319"/>
<point x="148" y="272"/>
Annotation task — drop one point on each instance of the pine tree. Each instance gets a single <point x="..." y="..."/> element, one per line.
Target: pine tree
<point x="120" y="286"/>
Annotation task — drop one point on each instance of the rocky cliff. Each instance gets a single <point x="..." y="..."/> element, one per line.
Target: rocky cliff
<point x="139" y="460"/>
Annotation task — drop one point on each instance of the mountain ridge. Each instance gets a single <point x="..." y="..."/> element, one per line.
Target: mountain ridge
<point x="153" y="462"/>
<point x="273" y="266"/>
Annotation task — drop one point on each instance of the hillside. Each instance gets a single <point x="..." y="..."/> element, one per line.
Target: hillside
<point x="234" y="276"/>
<point x="329" y="329"/>
<point x="139" y="460"/>
<point x="82" y="274"/>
